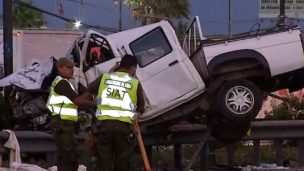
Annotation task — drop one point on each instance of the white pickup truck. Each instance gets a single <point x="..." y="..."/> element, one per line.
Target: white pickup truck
<point x="224" y="78"/>
<point x="202" y="79"/>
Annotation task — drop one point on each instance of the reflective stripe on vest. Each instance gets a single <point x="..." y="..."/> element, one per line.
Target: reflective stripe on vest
<point x="116" y="113"/>
<point x="61" y="105"/>
<point x="117" y="96"/>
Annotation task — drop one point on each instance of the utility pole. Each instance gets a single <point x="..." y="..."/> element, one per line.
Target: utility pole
<point x="282" y="14"/>
<point x="120" y="15"/>
<point x="229" y="20"/>
<point x="7" y="40"/>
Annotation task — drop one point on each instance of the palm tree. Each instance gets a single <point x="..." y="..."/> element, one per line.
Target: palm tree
<point x="24" y="17"/>
<point x="150" y="11"/>
<point x="181" y="28"/>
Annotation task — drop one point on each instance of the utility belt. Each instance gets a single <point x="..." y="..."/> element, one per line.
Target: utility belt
<point x="57" y="120"/>
<point x="124" y="119"/>
<point x="99" y="123"/>
<point x="61" y="125"/>
<point x="109" y="121"/>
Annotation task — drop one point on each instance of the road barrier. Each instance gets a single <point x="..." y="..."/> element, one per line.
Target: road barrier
<point x="277" y="131"/>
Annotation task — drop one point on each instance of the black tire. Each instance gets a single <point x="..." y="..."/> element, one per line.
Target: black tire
<point x="227" y="132"/>
<point x="239" y="101"/>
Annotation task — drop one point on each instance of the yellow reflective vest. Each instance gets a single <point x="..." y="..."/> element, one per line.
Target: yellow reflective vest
<point x="61" y="105"/>
<point x="117" y="97"/>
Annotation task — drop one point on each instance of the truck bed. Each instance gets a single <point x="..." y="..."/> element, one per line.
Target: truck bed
<point x="246" y="35"/>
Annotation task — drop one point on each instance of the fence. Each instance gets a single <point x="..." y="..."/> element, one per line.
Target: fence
<point x="38" y="142"/>
<point x="41" y="142"/>
<point x="1" y="71"/>
<point x="277" y="131"/>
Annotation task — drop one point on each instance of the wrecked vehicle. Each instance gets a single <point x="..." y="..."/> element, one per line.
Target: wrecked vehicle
<point x="225" y="79"/>
<point x="29" y="94"/>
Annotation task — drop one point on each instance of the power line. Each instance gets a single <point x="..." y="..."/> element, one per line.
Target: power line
<point x="108" y="29"/>
<point x="91" y="5"/>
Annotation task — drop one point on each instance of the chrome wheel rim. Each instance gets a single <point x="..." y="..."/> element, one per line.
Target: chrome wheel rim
<point x="239" y="100"/>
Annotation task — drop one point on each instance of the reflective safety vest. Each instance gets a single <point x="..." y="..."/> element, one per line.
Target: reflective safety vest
<point x="61" y="105"/>
<point x="117" y="97"/>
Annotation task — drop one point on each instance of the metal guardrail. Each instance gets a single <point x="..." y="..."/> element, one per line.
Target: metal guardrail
<point x="41" y="142"/>
<point x="260" y="130"/>
<point x="30" y="141"/>
<point x="37" y="142"/>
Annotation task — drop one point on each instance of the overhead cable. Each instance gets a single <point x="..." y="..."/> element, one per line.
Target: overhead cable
<point x="91" y="5"/>
<point x="108" y="29"/>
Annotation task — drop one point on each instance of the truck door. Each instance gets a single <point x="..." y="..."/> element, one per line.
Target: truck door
<point x="193" y="37"/>
<point x="162" y="70"/>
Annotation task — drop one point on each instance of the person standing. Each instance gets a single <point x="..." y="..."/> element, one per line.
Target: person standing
<point x="118" y="95"/>
<point x="63" y="104"/>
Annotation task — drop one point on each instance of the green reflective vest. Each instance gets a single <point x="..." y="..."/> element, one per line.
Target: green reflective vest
<point x="61" y="105"/>
<point x="117" y="97"/>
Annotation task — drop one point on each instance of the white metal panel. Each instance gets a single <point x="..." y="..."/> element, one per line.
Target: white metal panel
<point x="164" y="86"/>
<point x="160" y="82"/>
<point x="166" y="79"/>
<point x="124" y="38"/>
<point x="283" y="51"/>
<point x="168" y="83"/>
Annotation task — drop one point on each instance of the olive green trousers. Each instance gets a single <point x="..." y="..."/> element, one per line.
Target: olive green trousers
<point x="65" y="140"/>
<point x="115" y="142"/>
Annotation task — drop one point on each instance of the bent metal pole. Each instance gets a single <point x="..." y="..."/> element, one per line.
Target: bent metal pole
<point x="141" y="146"/>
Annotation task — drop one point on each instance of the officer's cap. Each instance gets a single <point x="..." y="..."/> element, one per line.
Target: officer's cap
<point x="128" y="61"/>
<point x="64" y="62"/>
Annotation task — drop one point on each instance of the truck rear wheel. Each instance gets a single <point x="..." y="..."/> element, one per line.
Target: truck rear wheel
<point x="239" y="101"/>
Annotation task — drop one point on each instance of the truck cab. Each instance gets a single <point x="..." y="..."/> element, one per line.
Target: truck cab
<point x="165" y="72"/>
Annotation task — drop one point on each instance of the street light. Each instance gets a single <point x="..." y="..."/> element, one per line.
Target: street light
<point x="229" y="19"/>
<point x="77" y="24"/>
<point x="282" y="14"/>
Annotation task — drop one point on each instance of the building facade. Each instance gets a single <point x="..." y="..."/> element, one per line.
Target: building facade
<point x="33" y="44"/>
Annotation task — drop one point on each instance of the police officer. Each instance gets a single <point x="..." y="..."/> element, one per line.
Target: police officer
<point x="119" y="96"/>
<point x="63" y="103"/>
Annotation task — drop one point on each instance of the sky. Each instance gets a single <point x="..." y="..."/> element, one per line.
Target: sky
<point x="213" y="14"/>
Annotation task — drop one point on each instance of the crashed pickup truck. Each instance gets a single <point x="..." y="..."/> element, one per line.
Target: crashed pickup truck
<point x="225" y="79"/>
<point x="218" y="80"/>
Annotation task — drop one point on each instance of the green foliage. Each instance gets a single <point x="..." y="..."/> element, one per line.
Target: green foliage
<point x="151" y="11"/>
<point x="290" y="153"/>
<point x="244" y="153"/>
<point x="181" y="29"/>
<point x="24" y="17"/>
<point x="291" y="109"/>
<point x="162" y="156"/>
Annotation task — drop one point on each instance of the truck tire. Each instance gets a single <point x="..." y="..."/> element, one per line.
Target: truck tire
<point x="239" y="101"/>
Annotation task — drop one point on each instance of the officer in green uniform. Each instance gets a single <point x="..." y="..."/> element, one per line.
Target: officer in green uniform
<point x="63" y="104"/>
<point x="119" y="96"/>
